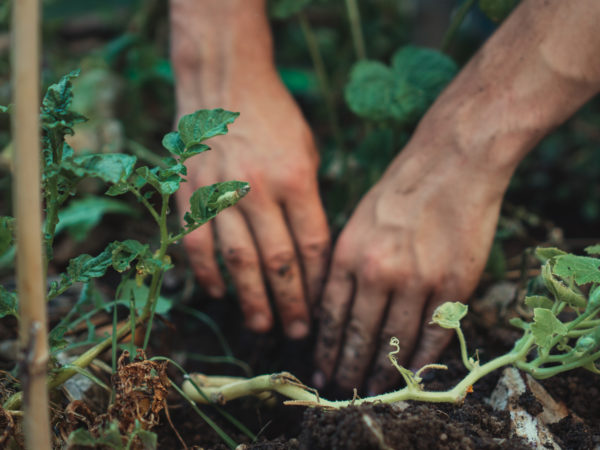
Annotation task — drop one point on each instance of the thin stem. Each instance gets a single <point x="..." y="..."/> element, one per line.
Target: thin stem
<point x="356" y="29"/>
<point x="457" y="20"/>
<point x="145" y="202"/>
<point x="319" y="65"/>
<point x="146" y="154"/>
<point x="463" y="349"/>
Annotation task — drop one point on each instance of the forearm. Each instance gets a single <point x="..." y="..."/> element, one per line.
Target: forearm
<point x="532" y="74"/>
<point x="217" y="44"/>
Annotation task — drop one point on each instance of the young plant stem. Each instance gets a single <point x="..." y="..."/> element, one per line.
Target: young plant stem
<point x="31" y="279"/>
<point x="356" y="29"/>
<point x="457" y="20"/>
<point x="319" y="65"/>
<point x="287" y="385"/>
<point x="463" y="349"/>
<point x="150" y="308"/>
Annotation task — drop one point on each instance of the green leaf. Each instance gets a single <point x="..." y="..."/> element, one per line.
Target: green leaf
<point x="81" y="216"/>
<point x="56" y="338"/>
<point x="56" y="114"/>
<point x="148" y="439"/>
<point x="583" y="269"/>
<point x="8" y="303"/>
<point x="208" y="201"/>
<point x="162" y="180"/>
<point x="497" y="10"/>
<point x="560" y="291"/>
<point x="111" y="167"/>
<point x="449" y="314"/>
<point x="538" y="301"/>
<point x="283" y="9"/>
<point x="593" y="250"/>
<point x="173" y="143"/>
<point x="545" y="327"/>
<point x="546" y="253"/>
<point x="123" y="253"/>
<point x="204" y="124"/>
<point x="140" y="293"/>
<point x="403" y="92"/>
<point x="7" y="225"/>
<point x="5" y="109"/>
<point x="109" y="436"/>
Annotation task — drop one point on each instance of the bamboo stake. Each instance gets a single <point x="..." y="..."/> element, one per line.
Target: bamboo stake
<point x="27" y="200"/>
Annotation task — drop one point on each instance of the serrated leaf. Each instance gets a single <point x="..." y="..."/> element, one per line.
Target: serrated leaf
<point x="7" y="225"/>
<point x="208" y="201"/>
<point x="123" y="253"/>
<point x="8" y="303"/>
<point x="538" y="301"/>
<point x="497" y="10"/>
<point x="283" y="9"/>
<point x="81" y="216"/>
<point x="449" y="314"/>
<point x="56" y="338"/>
<point x="111" y="167"/>
<point x="583" y="269"/>
<point x="560" y="291"/>
<point x="593" y="250"/>
<point x="545" y="327"/>
<point x="546" y="253"/>
<point x="204" y="124"/>
<point x="403" y="92"/>
<point x="56" y="114"/>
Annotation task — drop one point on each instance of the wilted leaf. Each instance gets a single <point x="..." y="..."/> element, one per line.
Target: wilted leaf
<point x="8" y="303"/>
<point x="81" y="216"/>
<point x="56" y="113"/>
<point x="545" y="327"/>
<point x="282" y="9"/>
<point x="449" y="314"/>
<point x="497" y="10"/>
<point x="403" y="92"/>
<point x="208" y="201"/>
<point x="163" y="181"/>
<point x="560" y="291"/>
<point x="538" y="301"/>
<point x="583" y="269"/>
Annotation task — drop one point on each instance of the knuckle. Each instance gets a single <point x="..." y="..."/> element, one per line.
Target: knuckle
<point x="280" y="262"/>
<point x="240" y="258"/>
<point x="315" y="248"/>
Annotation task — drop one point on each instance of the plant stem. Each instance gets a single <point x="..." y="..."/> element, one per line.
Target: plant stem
<point x="457" y="20"/>
<point x="463" y="349"/>
<point x="146" y="203"/>
<point x="356" y="29"/>
<point x="319" y="65"/>
<point x="31" y="276"/>
<point x="156" y="282"/>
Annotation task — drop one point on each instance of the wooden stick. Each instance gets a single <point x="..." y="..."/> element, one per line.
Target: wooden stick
<point x="28" y="212"/>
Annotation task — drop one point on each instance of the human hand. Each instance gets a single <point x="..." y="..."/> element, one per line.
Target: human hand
<point x="279" y="231"/>
<point x="420" y="237"/>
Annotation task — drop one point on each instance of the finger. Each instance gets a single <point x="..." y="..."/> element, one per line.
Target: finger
<point x="403" y="321"/>
<point x="434" y="339"/>
<point x="357" y="351"/>
<point x="241" y="259"/>
<point x="309" y="227"/>
<point x="200" y="247"/>
<point x="337" y="298"/>
<point x="281" y="268"/>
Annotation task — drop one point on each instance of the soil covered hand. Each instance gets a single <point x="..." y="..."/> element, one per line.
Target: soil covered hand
<point x="419" y="238"/>
<point x="277" y="239"/>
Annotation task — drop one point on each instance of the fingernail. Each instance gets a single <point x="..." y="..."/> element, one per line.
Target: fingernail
<point x="297" y="329"/>
<point x="259" y="323"/>
<point x="216" y="291"/>
<point x="318" y="379"/>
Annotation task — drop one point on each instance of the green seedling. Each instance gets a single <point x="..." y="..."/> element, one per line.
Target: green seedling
<point x="142" y="267"/>
<point x="563" y="335"/>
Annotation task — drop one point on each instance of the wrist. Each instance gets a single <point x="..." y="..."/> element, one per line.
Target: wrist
<point x="218" y="48"/>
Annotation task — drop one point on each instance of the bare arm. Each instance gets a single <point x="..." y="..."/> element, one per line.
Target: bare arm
<point x="222" y="56"/>
<point x="421" y="236"/>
